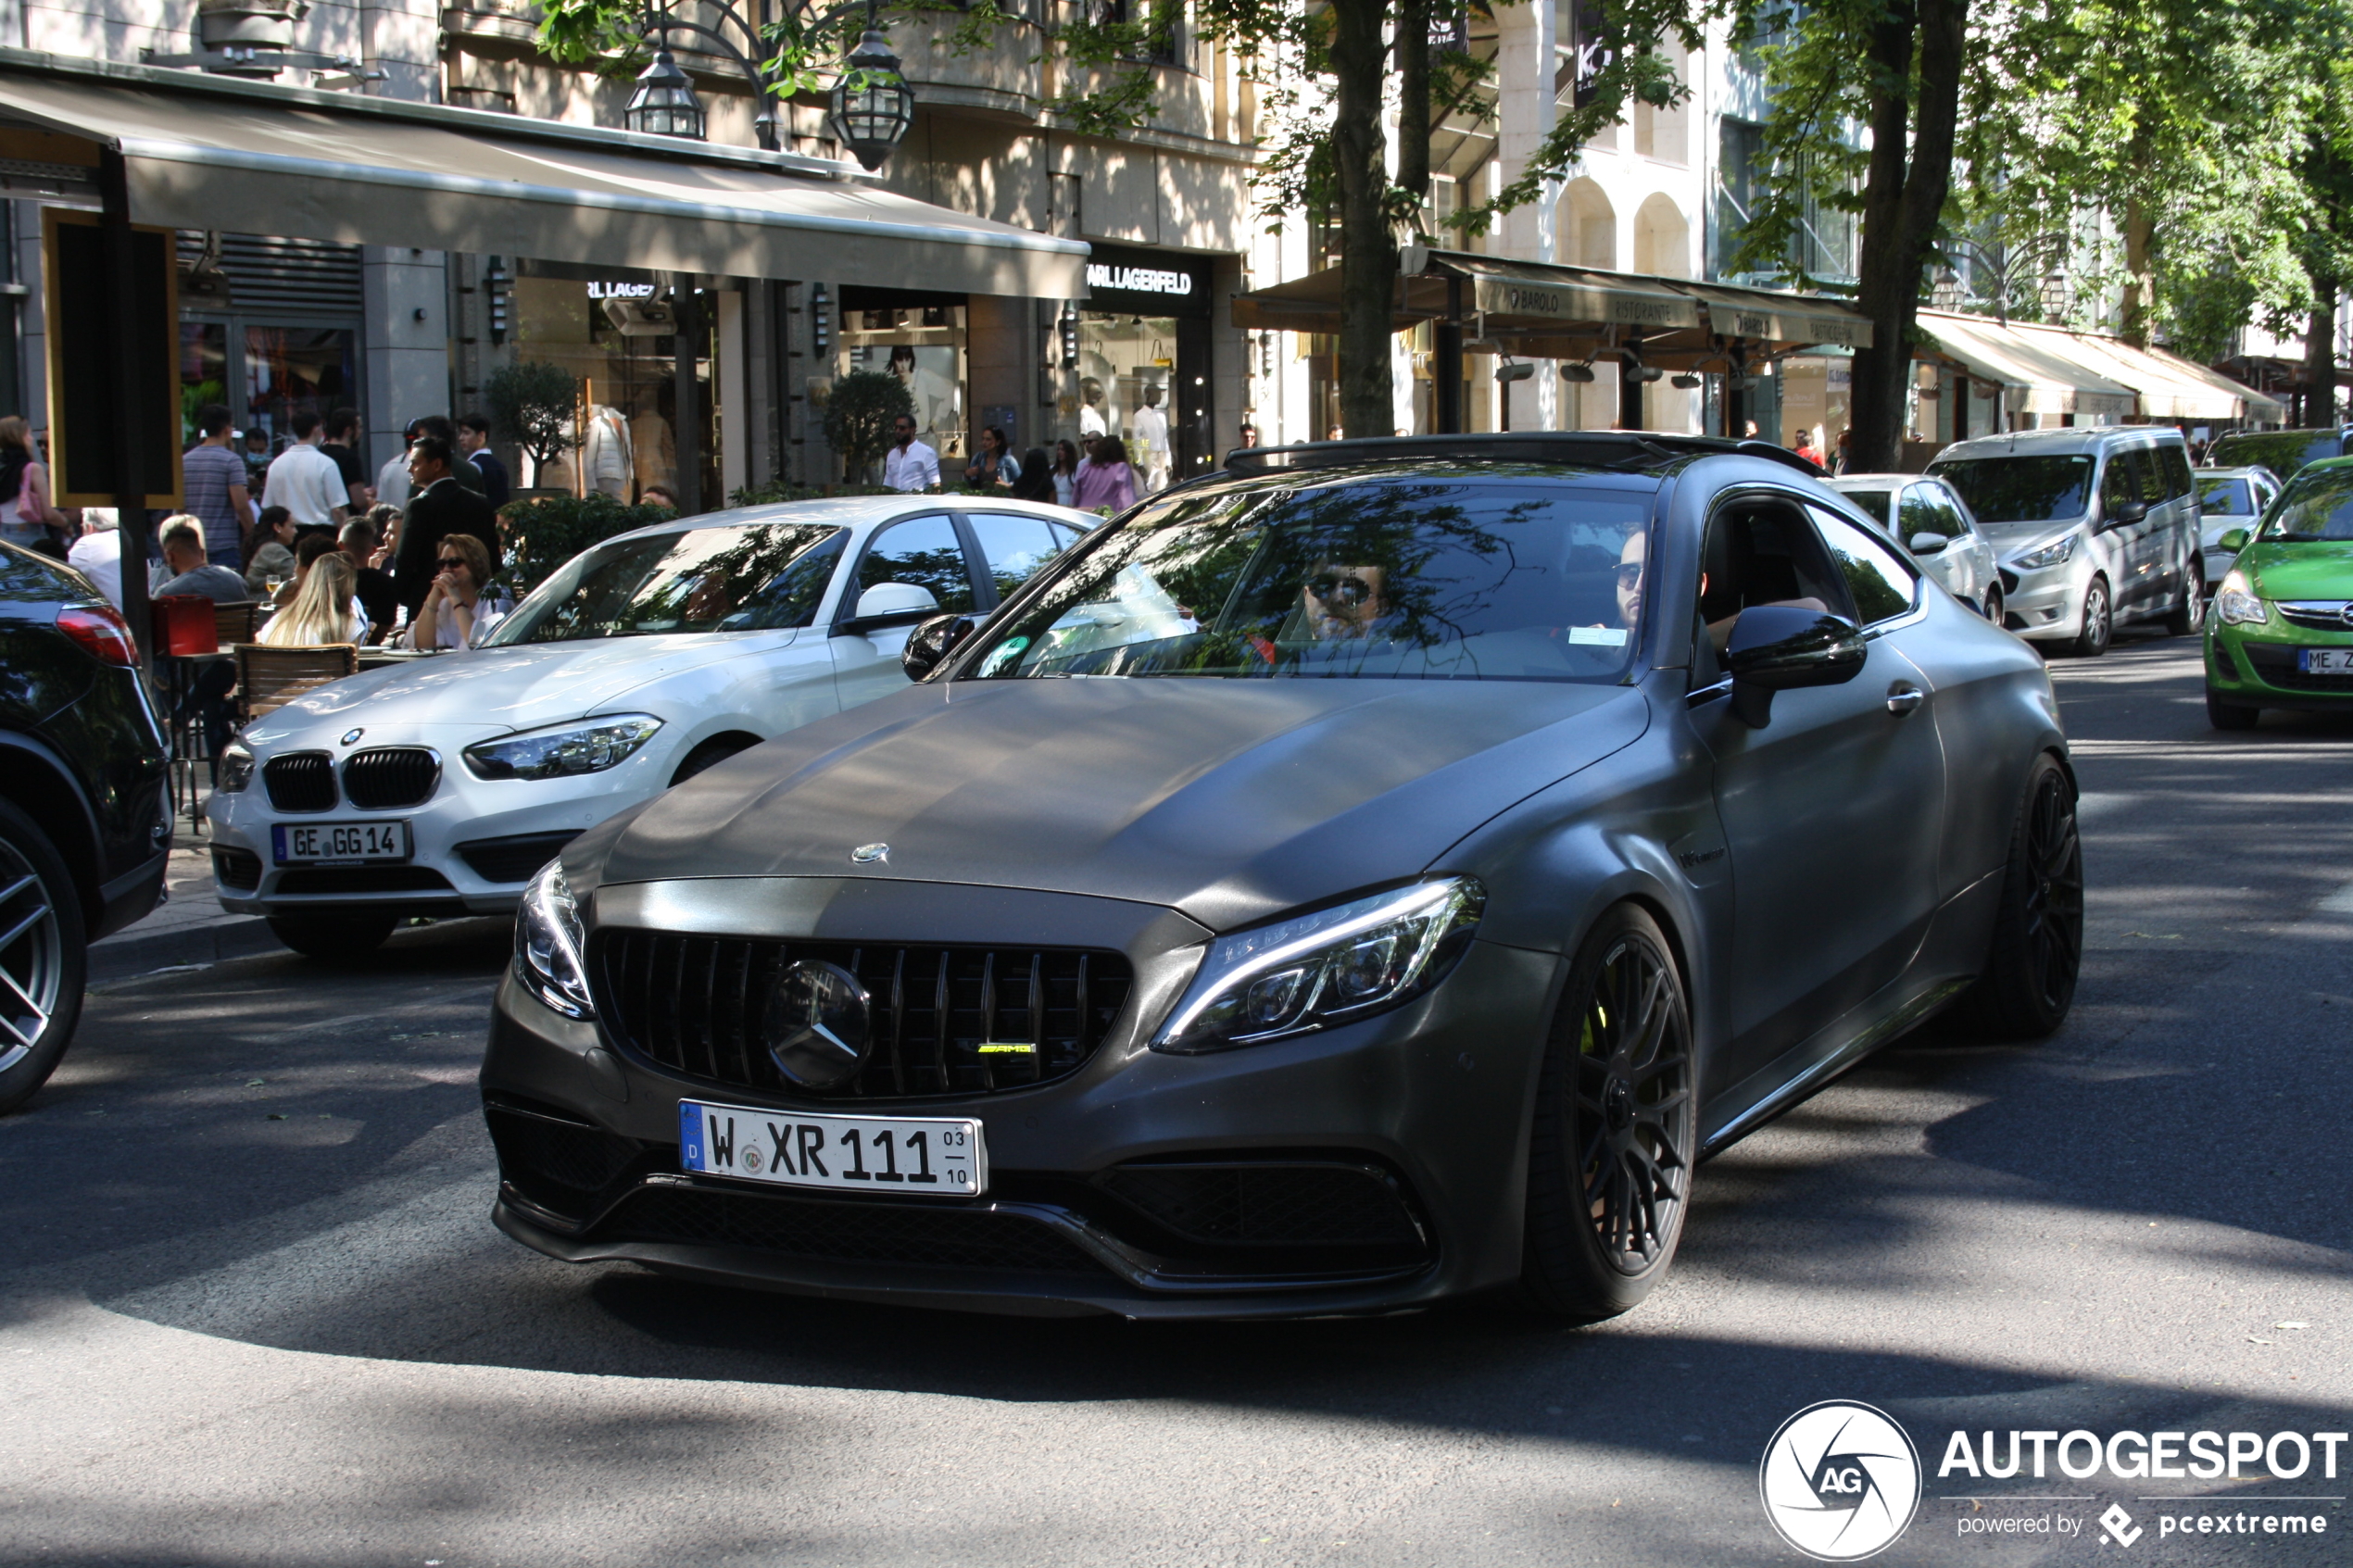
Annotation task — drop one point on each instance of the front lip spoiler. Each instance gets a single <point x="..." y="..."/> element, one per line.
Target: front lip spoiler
<point x="1153" y="1288"/>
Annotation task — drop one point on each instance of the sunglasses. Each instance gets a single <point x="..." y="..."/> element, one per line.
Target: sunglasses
<point x="1340" y="590"/>
<point x="450" y="560"/>
<point x="1629" y="575"/>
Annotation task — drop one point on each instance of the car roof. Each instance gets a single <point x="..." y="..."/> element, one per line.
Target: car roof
<point x="2082" y="440"/>
<point x="2249" y="472"/>
<point x="850" y="512"/>
<point x="1624" y="451"/>
<point x="1879" y="481"/>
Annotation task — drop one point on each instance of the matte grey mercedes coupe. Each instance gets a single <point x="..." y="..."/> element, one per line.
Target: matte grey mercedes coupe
<point x="1380" y="871"/>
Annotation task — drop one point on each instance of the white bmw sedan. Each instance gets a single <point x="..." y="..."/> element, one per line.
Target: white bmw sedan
<point x="439" y="787"/>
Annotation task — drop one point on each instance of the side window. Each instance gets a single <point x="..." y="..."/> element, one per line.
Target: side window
<point x="1926" y="509"/>
<point x="2176" y="461"/>
<point x="1956" y="517"/>
<point x="1761" y="552"/>
<point x="924" y="551"/>
<point x="2153" y="477"/>
<point x="2120" y="481"/>
<point x="1882" y="585"/>
<point x="1013" y="547"/>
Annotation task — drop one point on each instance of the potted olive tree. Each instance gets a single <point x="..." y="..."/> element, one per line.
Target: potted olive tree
<point x="859" y="415"/>
<point x="534" y="404"/>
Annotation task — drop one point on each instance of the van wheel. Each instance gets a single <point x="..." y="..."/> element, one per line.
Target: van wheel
<point x="2099" y="623"/>
<point x="2029" y="980"/>
<point x="1616" y="1133"/>
<point x="2186" y="617"/>
<point x="1993" y="604"/>
<point x="43" y="958"/>
<point x="333" y="938"/>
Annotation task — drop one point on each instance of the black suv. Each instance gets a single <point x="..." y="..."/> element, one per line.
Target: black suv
<point x="85" y="825"/>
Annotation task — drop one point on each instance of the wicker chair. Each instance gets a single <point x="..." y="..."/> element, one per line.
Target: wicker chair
<point x="270" y="678"/>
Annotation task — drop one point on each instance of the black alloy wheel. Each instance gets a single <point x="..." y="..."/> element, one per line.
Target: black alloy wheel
<point x="2029" y="980"/>
<point x="44" y="959"/>
<point x="1615" y="1132"/>
<point x="2099" y="621"/>
<point x="1993" y="603"/>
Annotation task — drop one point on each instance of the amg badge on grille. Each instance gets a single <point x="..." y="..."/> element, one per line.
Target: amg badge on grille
<point x="870" y="855"/>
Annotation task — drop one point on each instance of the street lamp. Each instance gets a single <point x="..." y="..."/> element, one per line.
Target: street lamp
<point x="1947" y="295"/>
<point x="664" y="103"/>
<point x="2055" y="295"/>
<point x="1950" y="291"/>
<point x="873" y="105"/>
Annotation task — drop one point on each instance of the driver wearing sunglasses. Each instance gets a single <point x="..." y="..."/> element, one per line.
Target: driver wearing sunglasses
<point x="1342" y="602"/>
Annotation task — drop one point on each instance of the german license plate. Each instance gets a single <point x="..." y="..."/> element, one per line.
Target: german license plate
<point x="2325" y="661"/>
<point x="871" y="1154"/>
<point x="303" y="844"/>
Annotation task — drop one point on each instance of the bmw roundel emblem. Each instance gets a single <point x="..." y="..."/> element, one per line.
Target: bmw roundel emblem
<point x="350" y="735"/>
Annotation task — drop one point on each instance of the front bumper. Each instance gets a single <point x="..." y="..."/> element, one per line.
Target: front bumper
<point x="2047" y="606"/>
<point x="1424" y="1110"/>
<point x="2255" y="667"/>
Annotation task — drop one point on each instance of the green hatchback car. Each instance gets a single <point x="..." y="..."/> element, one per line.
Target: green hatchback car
<point x="2282" y="632"/>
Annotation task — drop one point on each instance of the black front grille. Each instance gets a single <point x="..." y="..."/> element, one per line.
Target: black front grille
<point x="391" y="776"/>
<point x="844" y="1232"/>
<point x="240" y="869"/>
<point x="365" y="879"/>
<point x="2322" y="618"/>
<point x="1287" y="1203"/>
<point x="513" y="860"/>
<point x="694" y="1004"/>
<point x="2274" y="664"/>
<point x="301" y="781"/>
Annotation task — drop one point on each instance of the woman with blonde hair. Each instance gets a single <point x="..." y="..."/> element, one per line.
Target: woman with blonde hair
<point x="26" y="516"/>
<point x="321" y="612"/>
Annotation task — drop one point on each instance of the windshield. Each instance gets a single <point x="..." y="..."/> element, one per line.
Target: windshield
<point x="2006" y="490"/>
<point x="2281" y="451"/>
<point x="1873" y="502"/>
<point x="1413" y="579"/>
<point x="2226" y="498"/>
<point x="757" y="578"/>
<point x="2315" y="506"/>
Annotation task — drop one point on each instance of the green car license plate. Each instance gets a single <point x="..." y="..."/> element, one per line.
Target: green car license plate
<point x="2325" y="661"/>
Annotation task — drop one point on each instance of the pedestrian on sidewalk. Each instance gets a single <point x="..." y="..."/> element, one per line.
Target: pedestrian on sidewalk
<point x="342" y="445"/>
<point x="1105" y="479"/>
<point x="214" y="481"/>
<point x="392" y="480"/>
<point x="1065" y="473"/>
<point x="909" y="465"/>
<point x="1037" y="481"/>
<point x="473" y="439"/>
<point x="305" y="481"/>
<point x="992" y="467"/>
<point x="26" y="516"/>
<point x="97" y="554"/>
<point x="440" y="507"/>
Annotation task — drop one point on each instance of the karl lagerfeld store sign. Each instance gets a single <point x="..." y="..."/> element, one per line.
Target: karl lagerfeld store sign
<point x="1148" y="283"/>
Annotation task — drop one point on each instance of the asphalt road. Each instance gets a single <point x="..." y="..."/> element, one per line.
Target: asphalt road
<point x="252" y="1309"/>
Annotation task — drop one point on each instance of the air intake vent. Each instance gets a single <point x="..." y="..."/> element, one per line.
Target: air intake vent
<point x="301" y="781"/>
<point x="513" y="860"/>
<point x="394" y="775"/>
<point x="946" y="1021"/>
<point x="240" y="869"/>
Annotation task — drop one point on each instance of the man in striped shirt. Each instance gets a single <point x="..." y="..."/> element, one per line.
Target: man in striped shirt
<point x="215" y="481"/>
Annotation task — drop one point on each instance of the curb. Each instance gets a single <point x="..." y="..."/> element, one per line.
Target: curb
<point x="135" y="952"/>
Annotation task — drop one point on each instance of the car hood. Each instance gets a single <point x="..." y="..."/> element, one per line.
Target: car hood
<point x="1230" y="801"/>
<point x="2322" y="570"/>
<point x="495" y="690"/>
<point x="2009" y="536"/>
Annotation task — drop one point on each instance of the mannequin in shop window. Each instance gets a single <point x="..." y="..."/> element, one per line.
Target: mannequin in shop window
<point x="652" y="449"/>
<point x="1090" y="409"/>
<point x="1147" y="430"/>
<point x="605" y="458"/>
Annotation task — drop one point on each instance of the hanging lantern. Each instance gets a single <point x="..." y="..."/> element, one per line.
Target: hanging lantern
<point x="1947" y="295"/>
<point x="664" y="103"/>
<point x="873" y="105"/>
<point x="2055" y="296"/>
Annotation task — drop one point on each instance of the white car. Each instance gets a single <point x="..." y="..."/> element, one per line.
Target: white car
<point x="441" y="786"/>
<point x="1937" y="526"/>
<point x="2230" y="499"/>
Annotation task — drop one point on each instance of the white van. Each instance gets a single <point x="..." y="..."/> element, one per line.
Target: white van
<point x="2094" y="526"/>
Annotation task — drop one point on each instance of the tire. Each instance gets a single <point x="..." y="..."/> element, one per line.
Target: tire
<point x="2186" y="617"/>
<point x="44" y="957"/>
<point x="2099" y="621"/>
<point x="711" y="753"/>
<point x="2229" y="715"/>
<point x="2029" y="980"/>
<point x="1616" y="1130"/>
<point x="335" y="938"/>
<point x="1993" y="604"/>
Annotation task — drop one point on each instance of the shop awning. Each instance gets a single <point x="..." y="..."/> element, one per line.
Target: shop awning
<point x="2037" y="377"/>
<point x="1533" y="296"/>
<point x="208" y="152"/>
<point x="1768" y="316"/>
<point x="2170" y="386"/>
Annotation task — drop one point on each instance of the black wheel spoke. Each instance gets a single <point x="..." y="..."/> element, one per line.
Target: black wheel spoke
<point x="1633" y="1105"/>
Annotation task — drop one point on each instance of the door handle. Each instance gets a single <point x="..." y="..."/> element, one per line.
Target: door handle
<point x="1903" y="697"/>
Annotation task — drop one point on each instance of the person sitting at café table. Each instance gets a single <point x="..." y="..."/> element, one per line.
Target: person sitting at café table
<point x="189" y="569"/>
<point x="455" y="608"/>
<point x="323" y="610"/>
<point x="273" y="554"/>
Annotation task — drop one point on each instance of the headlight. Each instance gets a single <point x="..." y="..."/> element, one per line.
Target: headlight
<point x="590" y="746"/>
<point x="2051" y="553"/>
<point x="233" y="770"/>
<point x="547" y="943"/>
<point x="1331" y="967"/>
<point x="2235" y="602"/>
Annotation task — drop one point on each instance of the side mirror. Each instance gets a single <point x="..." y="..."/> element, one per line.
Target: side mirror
<point x="932" y="642"/>
<point x="1926" y="543"/>
<point x="2234" y="541"/>
<point x="2124" y="513"/>
<point x="895" y="601"/>
<point x="1779" y="647"/>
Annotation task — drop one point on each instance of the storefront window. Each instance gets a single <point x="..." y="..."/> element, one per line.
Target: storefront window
<point x="204" y="373"/>
<point x="924" y="345"/>
<point x="291" y="369"/>
<point x="1143" y="362"/>
<point x="615" y="331"/>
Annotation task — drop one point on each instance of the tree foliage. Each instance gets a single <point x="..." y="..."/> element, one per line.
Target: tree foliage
<point x="859" y="411"/>
<point x="532" y="404"/>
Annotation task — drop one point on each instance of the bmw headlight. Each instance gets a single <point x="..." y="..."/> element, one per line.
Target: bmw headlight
<point x="548" y="944"/>
<point x="1332" y="967"/>
<point x="2236" y="603"/>
<point x="233" y="770"/>
<point x="2052" y="554"/>
<point x="588" y="746"/>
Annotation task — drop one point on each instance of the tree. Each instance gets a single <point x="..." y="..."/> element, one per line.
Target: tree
<point x="535" y="404"/>
<point x="859" y="413"/>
